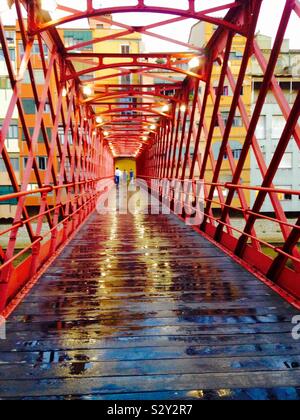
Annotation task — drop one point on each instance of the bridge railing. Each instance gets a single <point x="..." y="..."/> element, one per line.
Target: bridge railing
<point x="52" y="157"/>
<point x="275" y="264"/>
<point x="251" y="201"/>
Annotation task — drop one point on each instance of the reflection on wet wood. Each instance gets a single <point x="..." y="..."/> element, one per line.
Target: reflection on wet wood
<point x="141" y="307"/>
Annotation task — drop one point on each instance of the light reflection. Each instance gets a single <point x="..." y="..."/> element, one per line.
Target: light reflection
<point x="224" y="393"/>
<point x="159" y="275"/>
<point x="199" y="393"/>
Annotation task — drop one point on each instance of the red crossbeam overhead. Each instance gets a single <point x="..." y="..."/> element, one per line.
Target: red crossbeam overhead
<point x="141" y="7"/>
<point x="169" y="127"/>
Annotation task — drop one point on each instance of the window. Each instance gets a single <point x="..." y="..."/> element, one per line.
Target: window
<point x="42" y="162"/>
<point x="286" y="196"/>
<point x="125" y="49"/>
<point x="278" y="124"/>
<point x="40" y="137"/>
<point x="236" y="55"/>
<point x="236" y="154"/>
<point x="61" y="135"/>
<point x="76" y="37"/>
<point x="85" y="77"/>
<point x="38" y="77"/>
<point x="167" y="92"/>
<point x="5" y="83"/>
<point x="261" y="128"/>
<point x="5" y="190"/>
<point x="10" y="36"/>
<point x="235" y="146"/>
<point x="14" y="163"/>
<point x="237" y="121"/>
<point x="35" y="51"/>
<point x="287" y="161"/>
<point x="2" y="165"/>
<point x="13" y="131"/>
<point x="29" y="106"/>
<point x="126" y="79"/>
<point x="225" y="91"/>
<point x="12" y="54"/>
<point x="32" y="187"/>
<point x="47" y="108"/>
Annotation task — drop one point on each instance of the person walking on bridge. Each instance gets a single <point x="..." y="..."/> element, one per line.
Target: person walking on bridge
<point x="118" y="175"/>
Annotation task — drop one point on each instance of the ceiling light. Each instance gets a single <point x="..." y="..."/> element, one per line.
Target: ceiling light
<point x="99" y="120"/>
<point x="106" y="133"/>
<point x="49" y="5"/>
<point x="64" y="92"/>
<point x="183" y="108"/>
<point x="152" y="127"/>
<point x="145" y="138"/>
<point x="194" y="63"/>
<point x="87" y="90"/>
<point x="165" y="108"/>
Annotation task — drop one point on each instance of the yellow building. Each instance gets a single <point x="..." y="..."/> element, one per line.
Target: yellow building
<point x="126" y="44"/>
<point x="8" y="208"/>
<point x="201" y="33"/>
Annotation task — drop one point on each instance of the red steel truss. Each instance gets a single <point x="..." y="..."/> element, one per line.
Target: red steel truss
<point x="167" y="133"/>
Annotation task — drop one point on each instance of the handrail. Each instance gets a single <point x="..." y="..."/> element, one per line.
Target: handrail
<point x="229" y="185"/>
<point x="246" y="211"/>
<point x="66" y="218"/>
<point x="48" y="189"/>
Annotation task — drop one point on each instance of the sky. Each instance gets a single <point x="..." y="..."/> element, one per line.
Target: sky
<point x="268" y="22"/>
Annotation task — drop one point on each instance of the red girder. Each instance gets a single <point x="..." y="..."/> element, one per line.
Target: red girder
<point x="134" y="64"/>
<point x="136" y="109"/>
<point x="142" y="8"/>
<point x="130" y="94"/>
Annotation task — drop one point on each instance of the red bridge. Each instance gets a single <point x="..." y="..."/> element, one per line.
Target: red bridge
<point x="190" y="299"/>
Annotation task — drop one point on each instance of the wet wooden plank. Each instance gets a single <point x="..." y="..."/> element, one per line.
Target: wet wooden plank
<point x="282" y="393"/>
<point x="132" y="312"/>
<point x="154" y="353"/>
<point x="141" y="306"/>
<point x="144" y="383"/>
<point x="85" y="367"/>
<point x="49" y="343"/>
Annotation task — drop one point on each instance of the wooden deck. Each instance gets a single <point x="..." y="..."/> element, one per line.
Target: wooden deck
<point x="141" y="307"/>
